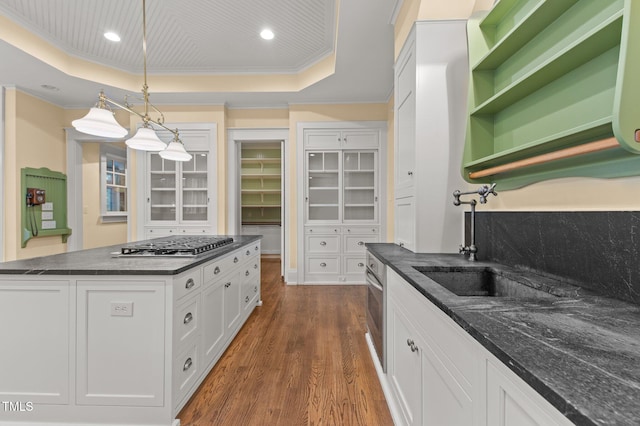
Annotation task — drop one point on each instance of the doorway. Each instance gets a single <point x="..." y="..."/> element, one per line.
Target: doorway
<point x="257" y="188"/>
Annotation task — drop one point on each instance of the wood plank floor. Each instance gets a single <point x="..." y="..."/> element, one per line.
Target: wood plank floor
<point x="300" y="359"/>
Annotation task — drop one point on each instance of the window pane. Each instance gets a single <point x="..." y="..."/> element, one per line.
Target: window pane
<point x="116" y="199"/>
<point x="119" y="166"/>
<point x="120" y="180"/>
<point x="109" y="165"/>
<point x="109" y="179"/>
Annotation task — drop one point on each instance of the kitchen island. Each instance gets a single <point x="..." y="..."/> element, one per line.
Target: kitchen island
<point x="94" y="337"/>
<point x="570" y="356"/>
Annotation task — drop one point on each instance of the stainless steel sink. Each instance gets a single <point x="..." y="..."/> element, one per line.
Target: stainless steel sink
<point x="481" y="281"/>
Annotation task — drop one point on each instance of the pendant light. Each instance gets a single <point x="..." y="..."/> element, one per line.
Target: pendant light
<point x="100" y="120"/>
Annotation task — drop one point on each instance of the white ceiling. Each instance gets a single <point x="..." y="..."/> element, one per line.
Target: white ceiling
<point x="206" y="37"/>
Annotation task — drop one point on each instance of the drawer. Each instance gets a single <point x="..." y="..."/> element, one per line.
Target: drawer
<point x="186" y="370"/>
<point x="323" y="265"/>
<point x="362" y="230"/>
<point x="159" y="232"/>
<point x="186" y="320"/>
<point x="187" y="283"/>
<point x="323" y="244"/>
<point x="194" y="231"/>
<point x="327" y="230"/>
<point x="222" y="266"/>
<point x="355" y="243"/>
<point x="251" y="250"/>
<point x="355" y="265"/>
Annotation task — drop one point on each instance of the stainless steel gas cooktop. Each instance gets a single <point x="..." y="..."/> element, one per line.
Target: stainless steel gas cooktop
<point x="178" y="246"/>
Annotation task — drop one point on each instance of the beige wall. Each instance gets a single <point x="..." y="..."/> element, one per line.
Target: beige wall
<point x="34" y="137"/>
<point x="94" y="232"/>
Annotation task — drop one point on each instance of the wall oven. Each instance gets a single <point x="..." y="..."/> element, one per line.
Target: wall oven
<point x="377" y="306"/>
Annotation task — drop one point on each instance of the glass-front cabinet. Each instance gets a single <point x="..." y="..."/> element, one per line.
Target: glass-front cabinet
<point x="359" y="185"/>
<point x="323" y="178"/>
<point x="178" y="194"/>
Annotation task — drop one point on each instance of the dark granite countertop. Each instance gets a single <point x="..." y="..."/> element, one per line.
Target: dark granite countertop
<point x="102" y="261"/>
<point x="581" y="352"/>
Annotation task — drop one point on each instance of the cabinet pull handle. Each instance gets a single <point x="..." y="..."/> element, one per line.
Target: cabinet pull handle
<point x="246" y="274"/>
<point x="235" y="259"/>
<point x="360" y="243"/>
<point x="248" y="252"/>
<point x="188" y="318"/>
<point x="216" y="271"/>
<point x="412" y="345"/>
<point x="256" y="248"/>
<point x="410" y="173"/>
<point x="323" y="243"/>
<point x="360" y="264"/>
<point x="190" y="283"/>
<point x="255" y="266"/>
<point x="187" y="364"/>
<point x="246" y="299"/>
<point x="255" y="288"/>
<point x="401" y="244"/>
<point x="227" y="285"/>
<point x="323" y="264"/>
<point x="348" y="230"/>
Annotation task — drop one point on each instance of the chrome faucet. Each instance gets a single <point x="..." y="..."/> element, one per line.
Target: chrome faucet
<point x="484" y="191"/>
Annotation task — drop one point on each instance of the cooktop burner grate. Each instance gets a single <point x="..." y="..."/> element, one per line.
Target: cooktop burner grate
<point x="176" y="246"/>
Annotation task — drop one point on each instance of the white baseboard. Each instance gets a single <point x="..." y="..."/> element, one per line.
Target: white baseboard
<point x="292" y="277"/>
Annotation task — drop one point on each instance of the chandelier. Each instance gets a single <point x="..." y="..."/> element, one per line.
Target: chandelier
<point x="100" y="120"/>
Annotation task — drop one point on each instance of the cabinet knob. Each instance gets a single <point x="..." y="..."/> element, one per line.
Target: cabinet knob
<point x="410" y="173"/>
<point x="216" y="271"/>
<point x="255" y="266"/>
<point x="187" y="364"/>
<point x="255" y="288"/>
<point x="227" y="285"/>
<point x="412" y="345"/>
<point x="323" y="264"/>
<point x="246" y="274"/>
<point x="235" y="259"/>
<point x="248" y="252"/>
<point x="323" y="243"/>
<point x="360" y="243"/>
<point x="190" y="283"/>
<point x="188" y="318"/>
<point x="401" y="244"/>
<point x="360" y="264"/>
<point x="256" y="248"/>
<point x="246" y="299"/>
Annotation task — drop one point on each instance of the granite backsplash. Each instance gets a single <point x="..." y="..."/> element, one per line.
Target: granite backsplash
<point x="597" y="250"/>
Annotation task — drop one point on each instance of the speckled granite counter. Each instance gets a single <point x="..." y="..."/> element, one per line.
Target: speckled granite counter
<point x="102" y="261"/>
<point x="581" y="352"/>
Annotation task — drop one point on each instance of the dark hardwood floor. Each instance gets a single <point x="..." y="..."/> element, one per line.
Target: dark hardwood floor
<point x="300" y="359"/>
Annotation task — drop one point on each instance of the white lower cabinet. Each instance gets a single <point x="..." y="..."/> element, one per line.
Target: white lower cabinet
<point x="127" y="350"/>
<point x="439" y="375"/>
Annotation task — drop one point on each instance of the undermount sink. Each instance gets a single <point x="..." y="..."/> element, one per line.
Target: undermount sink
<point x="480" y="281"/>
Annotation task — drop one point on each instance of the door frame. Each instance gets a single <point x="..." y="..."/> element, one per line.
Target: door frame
<point x="235" y="137"/>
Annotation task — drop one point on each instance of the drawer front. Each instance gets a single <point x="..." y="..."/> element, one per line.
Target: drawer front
<point x="187" y="284"/>
<point x="194" y="231"/>
<point x="362" y="230"/>
<point x="355" y="265"/>
<point x="355" y="243"/>
<point x="186" y="320"/>
<point x="323" y="265"/>
<point x="159" y="232"/>
<point x="222" y="266"/>
<point x="323" y="244"/>
<point x="326" y="230"/>
<point x="251" y="250"/>
<point x="186" y="370"/>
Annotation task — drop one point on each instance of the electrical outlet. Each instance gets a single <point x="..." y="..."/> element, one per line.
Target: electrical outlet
<point x="47" y="215"/>
<point x="47" y="206"/>
<point x="121" y="309"/>
<point x="48" y="224"/>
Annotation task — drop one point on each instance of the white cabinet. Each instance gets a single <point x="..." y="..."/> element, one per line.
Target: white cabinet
<point x="439" y="375"/>
<point x="213" y="325"/>
<point x="431" y="81"/>
<point x="35" y="341"/>
<point x="179" y="195"/>
<point x="342" y="202"/>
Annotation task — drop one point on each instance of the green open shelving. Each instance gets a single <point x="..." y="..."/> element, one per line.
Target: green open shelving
<point x="548" y="75"/>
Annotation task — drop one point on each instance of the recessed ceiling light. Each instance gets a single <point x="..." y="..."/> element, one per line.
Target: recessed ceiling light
<point x="111" y="36"/>
<point x="266" y="34"/>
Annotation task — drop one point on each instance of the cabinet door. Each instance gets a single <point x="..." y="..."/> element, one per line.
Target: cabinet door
<point x="323" y="186"/>
<point x="163" y="192"/>
<point x="232" y="294"/>
<point x="405" y="365"/>
<point x="360" y="191"/>
<point x="194" y="184"/>
<point x="405" y="125"/>
<point x="213" y="320"/>
<point x="405" y="229"/>
<point x="360" y="139"/>
<point x="320" y="138"/>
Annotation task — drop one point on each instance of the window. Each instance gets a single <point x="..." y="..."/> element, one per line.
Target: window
<point x="113" y="176"/>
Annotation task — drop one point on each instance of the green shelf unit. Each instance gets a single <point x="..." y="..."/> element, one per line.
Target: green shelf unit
<point x="547" y="75"/>
<point x="55" y="186"/>
<point x="260" y="185"/>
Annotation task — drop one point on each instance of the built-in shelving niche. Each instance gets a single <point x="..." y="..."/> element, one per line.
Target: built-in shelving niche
<point x="547" y="75"/>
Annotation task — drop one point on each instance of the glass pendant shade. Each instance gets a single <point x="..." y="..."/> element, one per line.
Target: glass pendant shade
<point x="146" y="140"/>
<point x="176" y="152"/>
<point x="100" y="122"/>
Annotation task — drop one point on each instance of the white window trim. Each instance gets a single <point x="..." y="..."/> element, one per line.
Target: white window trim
<point x="120" y="153"/>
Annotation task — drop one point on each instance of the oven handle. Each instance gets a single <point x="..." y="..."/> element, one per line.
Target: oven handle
<point x="373" y="280"/>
